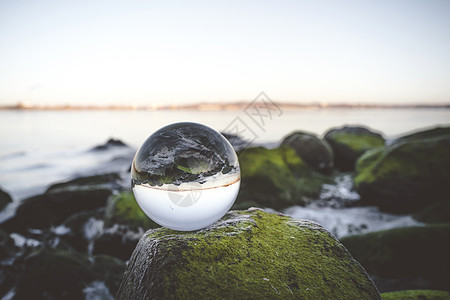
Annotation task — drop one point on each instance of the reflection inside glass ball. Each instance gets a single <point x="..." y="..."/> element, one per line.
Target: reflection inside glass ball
<point x="185" y="176"/>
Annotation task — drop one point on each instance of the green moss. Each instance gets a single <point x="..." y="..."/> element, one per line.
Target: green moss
<point x="276" y="178"/>
<point x="359" y="143"/>
<point x="417" y="295"/>
<point x="262" y="256"/>
<point x="405" y="253"/>
<point x="401" y="176"/>
<point x="123" y="209"/>
<point x="425" y="134"/>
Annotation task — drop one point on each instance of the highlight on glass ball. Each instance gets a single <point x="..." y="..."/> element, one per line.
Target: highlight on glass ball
<point x="185" y="176"/>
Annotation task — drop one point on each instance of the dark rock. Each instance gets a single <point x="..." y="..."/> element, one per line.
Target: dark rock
<point x="58" y="274"/>
<point x="80" y="225"/>
<point x="124" y="224"/>
<point x="246" y="255"/>
<point x="314" y="151"/>
<point x="276" y="178"/>
<point x="406" y="176"/>
<point x="111" y="143"/>
<point x="349" y="143"/>
<point x="61" y="201"/>
<point x="5" y="199"/>
<point x="405" y="254"/>
<point x="425" y="134"/>
<point x="436" y="213"/>
<point x="109" y="181"/>
<point x="417" y="295"/>
<point x="118" y="241"/>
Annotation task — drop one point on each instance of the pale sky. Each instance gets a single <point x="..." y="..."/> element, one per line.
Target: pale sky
<point x="159" y="52"/>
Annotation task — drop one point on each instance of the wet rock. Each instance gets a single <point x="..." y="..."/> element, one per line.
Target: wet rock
<point x="405" y="258"/>
<point x="276" y="178"/>
<point x="436" y="213"/>
<point x="314" y="151"/>
<point x="349" y="143"/>
<point x="417" y="295"/>
<point x="109" y="181"/>
<point x="407" y="176"/>
<point x="61" y="201"/>
<point x="247" y="254"/>
<point x="5" y="199"/>
<point x="124" y="224"/>
<point x="425" y="134"/>
<point x="59" y="274"/>
<point x="111" y="143"/>
<point x="118" y="241"/>
<point x="83" y="229"/>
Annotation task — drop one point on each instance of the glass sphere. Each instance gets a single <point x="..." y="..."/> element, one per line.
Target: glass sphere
<point x="185" y="176"/>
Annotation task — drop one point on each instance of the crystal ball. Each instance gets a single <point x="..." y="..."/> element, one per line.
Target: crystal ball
<point x="185" y="176"/>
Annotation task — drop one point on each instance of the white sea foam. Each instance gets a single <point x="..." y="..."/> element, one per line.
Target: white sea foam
<point x="348" y="221"/>
<point x="97" y="290"/>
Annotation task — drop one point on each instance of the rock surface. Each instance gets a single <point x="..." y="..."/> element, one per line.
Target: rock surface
<point x="276" y="178"/>
<point x="5" y="199"/>
<point x="349" y="143"/>
<point x="247" y="254"/>
<point x="111" y="143"/>
<point x="59" y="274"/>
<point x="405" y="253"/>
<point x="407" y="176"/>
<point x="316" y="152"/>
<point x="61" y="201"/>
<point x="417" y="295"/>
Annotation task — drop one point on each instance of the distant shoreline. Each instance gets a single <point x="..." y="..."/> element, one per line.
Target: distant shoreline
<point x="217" y="106"/>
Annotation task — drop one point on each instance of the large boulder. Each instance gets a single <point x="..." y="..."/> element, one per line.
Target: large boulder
<point x="276" y="178"/>
<point x="349" y="143"/>
<point x="407" y="176"/>
<point x="61" y="201"/>
<point x="245" y="255"/>
<point x="59" y="274"/>
<point x="314" y="151"/>
<point x="426" y="134"/>
<point x="5" y="199"/>
<point x="405" y="258"/>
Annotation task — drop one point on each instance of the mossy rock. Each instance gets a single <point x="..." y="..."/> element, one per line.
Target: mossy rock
<point x="314" y="151"/>
<point x="425" y="134"/>
<point x="60" y="274"/>
<point x="417" y="295"/>
<point x="245" y="255"/>
<point x="409" y="253"/>
<point x="276" y="178"/>
<point x="123" y="209"/>
<point x="5" y="199"/>
<point x="406" y="176"/>
<point x="349" y="143"/>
